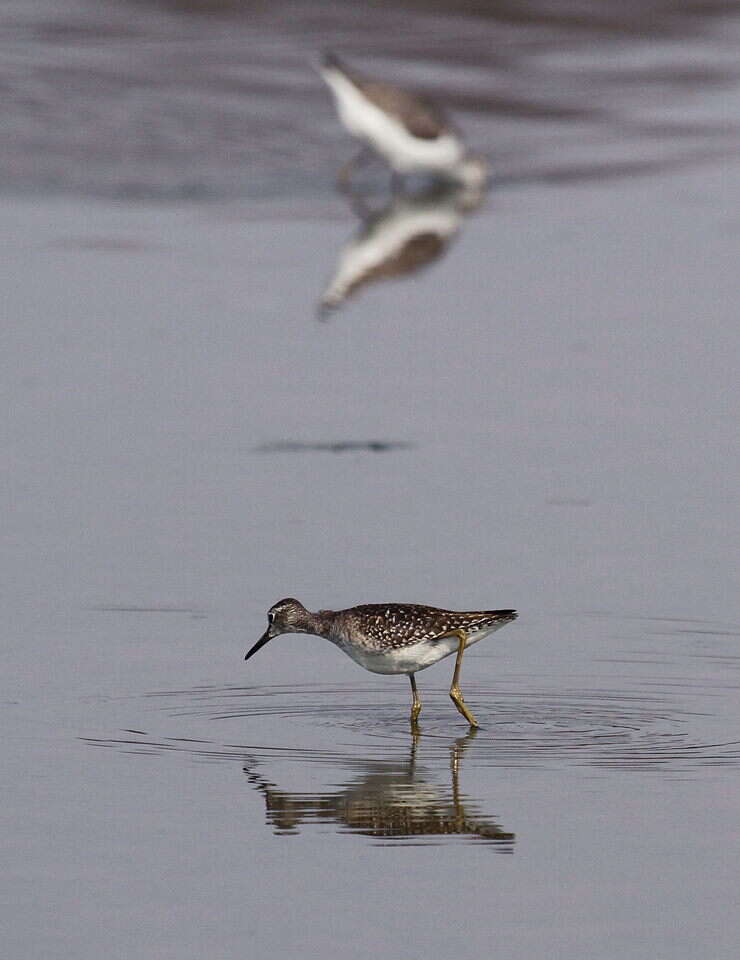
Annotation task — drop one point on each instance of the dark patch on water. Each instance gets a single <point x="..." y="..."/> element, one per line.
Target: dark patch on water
<point x="336" y="446"/>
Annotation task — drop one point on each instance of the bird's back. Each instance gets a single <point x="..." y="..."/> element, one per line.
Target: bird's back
<point x="394" y="625"/>
<point x="420" y="118"/>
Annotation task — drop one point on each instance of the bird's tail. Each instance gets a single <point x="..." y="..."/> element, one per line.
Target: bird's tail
<point x="505" y="615"/>
<point x="330" y="61"/>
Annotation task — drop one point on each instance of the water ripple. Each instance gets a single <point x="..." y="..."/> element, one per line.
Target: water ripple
<point x="605" y="729"/>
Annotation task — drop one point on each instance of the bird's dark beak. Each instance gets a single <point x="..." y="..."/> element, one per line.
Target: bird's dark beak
<point x="260" y="643"/>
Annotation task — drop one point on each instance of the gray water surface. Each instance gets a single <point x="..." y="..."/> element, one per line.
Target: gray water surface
<point x="543" y="417"/>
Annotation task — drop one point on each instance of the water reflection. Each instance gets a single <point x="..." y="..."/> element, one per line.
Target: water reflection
<point x="387" y="800"/>
<point x="410" y="233"/>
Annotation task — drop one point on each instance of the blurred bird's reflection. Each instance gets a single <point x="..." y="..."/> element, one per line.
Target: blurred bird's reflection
<point x="388" y="800"/>
<point x="411" y="232"/>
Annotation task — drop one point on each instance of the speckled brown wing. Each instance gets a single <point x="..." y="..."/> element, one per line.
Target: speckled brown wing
<point x="421" y="118"/>
<point x="416" y="253"/>
<point x="394" y="626"/>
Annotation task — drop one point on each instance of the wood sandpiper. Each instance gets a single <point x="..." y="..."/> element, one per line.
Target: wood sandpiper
<point x="392" y="637"/>
<point x="411" y="134"/>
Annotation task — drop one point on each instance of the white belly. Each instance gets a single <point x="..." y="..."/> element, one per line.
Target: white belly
<point x="404" y="152"/>
<point x="417" y="656"/>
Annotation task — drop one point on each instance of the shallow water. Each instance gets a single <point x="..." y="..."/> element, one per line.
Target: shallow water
<point x="198" y="100"/>
<point x="538" y="409"/>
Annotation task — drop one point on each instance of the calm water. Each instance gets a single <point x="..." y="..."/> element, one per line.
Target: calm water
<point x="222" y="383"/>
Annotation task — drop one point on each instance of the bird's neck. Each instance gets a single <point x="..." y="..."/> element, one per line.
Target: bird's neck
<point x="319" y="623"/>
<point x="322" y="623"/>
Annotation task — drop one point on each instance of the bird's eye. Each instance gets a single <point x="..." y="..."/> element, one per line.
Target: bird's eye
<point x="270" y="617"/>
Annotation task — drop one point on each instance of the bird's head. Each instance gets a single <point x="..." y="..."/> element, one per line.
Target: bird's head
<point x="285" y="616"/>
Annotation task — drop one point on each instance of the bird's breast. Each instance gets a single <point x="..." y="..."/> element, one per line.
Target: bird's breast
<point x="406" y="659"/>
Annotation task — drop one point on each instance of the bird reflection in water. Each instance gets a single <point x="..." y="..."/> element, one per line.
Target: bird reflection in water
<point x="410" y="233"/>
<point x="388" y="801"/>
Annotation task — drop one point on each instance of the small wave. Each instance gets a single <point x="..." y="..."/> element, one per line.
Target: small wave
<point x="607" y="729"/>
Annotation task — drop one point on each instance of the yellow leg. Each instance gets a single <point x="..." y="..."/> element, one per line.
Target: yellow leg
<point x="455" y="691"/>
<point x="416" y="705"/>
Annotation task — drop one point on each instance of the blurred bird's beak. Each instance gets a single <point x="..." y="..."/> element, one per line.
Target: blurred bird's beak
<point x="260" y="643"/>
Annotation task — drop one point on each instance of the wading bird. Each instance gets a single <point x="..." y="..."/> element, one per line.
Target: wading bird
<point x="392" y="637"/>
